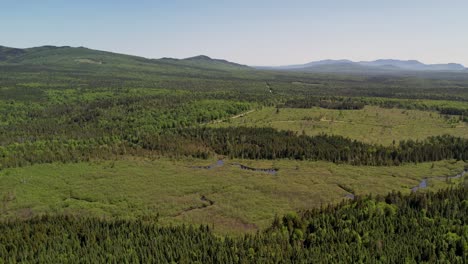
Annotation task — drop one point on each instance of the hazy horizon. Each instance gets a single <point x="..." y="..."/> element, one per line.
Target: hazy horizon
<point x="259" y="33"/>
<point x="238" y="62"/>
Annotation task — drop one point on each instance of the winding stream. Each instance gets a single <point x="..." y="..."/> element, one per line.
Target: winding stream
<point x="243" y="167"/>
<point x="221" y="163"/>
<point x="423" y="183"/>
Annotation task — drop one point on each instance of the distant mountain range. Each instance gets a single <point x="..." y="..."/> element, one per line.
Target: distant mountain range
<point x="66" y="56"/>
<point x="382" y="65"/>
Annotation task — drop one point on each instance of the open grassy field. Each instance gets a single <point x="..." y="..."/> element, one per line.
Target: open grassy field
<point x="371" y="124"/>
<point x="226" y="197"/>
<point x="419" y="103"/>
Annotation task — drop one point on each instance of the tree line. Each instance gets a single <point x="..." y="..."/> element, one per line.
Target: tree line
<point x="396" y="228"/>
<point x="235" y="142"/>
<point x="340" y="103"/>
<point x="356" y="103"/>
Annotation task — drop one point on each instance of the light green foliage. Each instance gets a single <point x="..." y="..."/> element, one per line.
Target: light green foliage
<point x="371" y="124"/>
<point x="243" y="200"/>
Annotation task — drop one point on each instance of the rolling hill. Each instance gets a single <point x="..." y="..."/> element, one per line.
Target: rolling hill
<point x="79" y="67"/>
<point x="72" y="56"/>
<point x="81" y="58"/>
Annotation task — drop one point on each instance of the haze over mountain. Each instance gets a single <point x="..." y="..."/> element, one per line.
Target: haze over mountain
<point x="380" y="65"/>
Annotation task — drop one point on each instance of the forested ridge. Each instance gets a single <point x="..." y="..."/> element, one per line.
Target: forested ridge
<point x="396" y="228"/>
<point x="50" y="67"/>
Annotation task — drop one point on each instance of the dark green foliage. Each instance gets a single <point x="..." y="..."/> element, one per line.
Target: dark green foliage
<point x="354" y="103"/>
<point x="238" y="142"/>
<point x="326" y="102"/>
<point x="418" y="228"/>
<point x="444" y="110"/>
<point x="268" y="143"/>
<point x="393" y="229"/>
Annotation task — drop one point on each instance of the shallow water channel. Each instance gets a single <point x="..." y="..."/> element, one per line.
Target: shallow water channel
<point x="221" y="163"/>
<point x="423" y="183"/>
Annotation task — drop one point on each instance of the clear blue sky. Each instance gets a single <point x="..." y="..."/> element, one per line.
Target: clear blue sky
<point x="246" y="31"/>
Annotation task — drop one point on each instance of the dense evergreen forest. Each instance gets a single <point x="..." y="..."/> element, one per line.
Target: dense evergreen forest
<point x="245" y="143"/>
<point x="267" y="143"/>
<point x="416" y="228"/>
